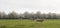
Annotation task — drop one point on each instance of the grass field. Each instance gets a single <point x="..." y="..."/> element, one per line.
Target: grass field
<point x="29" y="24"/>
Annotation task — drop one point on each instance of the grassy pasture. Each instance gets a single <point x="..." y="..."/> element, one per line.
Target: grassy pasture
<point x="29" y="24"/>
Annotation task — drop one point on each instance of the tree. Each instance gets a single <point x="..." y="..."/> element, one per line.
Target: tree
<point x="54" y="16"/>
<point x="49" y="16"/>
<point x="32" y="16"/>
<point x="38" y="14"/>
<point x="26" y="15"/>
<point x="21" y="16"/>
<point x="44" y="16"/>
<point x="13" y="15"/>
<point x="3" y="15"/>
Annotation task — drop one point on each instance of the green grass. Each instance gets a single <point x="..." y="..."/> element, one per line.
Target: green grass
<point x="29" y="24"/>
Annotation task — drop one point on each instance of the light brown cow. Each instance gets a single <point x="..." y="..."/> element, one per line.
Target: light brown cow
<point x="39" y="20"/>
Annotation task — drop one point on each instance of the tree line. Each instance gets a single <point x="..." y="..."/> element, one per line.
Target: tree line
<point x="27" y="15"/>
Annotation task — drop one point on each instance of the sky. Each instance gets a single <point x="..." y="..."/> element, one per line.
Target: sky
<point x="20" y="6"/>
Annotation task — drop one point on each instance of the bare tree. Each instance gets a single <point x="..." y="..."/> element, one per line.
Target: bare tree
<point x="38" y="14"/>
<point x="13" y="15"/>
<point x="26" y="15"/>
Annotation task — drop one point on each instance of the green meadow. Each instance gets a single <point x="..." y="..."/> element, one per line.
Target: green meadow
<point x="29" y="24"/>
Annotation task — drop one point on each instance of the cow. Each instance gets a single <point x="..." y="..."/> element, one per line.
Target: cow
<point x="39" y="20"/>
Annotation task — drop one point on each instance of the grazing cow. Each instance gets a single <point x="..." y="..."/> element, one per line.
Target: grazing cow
<point x="39" y="20"/>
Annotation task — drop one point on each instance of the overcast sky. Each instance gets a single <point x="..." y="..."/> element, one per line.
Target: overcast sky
<point x="44" y="6"/>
